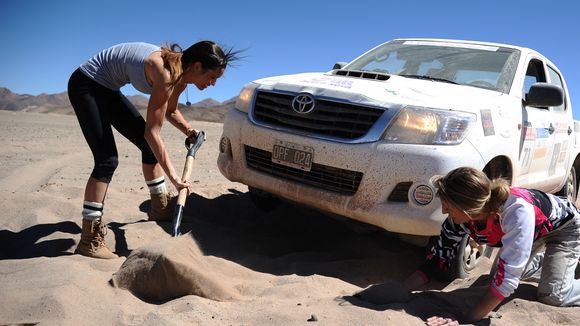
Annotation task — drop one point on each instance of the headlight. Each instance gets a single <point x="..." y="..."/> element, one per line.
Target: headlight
<point x="245" y="98"/>
<point x="415" y="125"/>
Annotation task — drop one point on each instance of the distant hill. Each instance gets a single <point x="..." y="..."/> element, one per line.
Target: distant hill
<point x="205" y="110"/>
<point x="44" y="102"/>
<point x="208" y="110"/>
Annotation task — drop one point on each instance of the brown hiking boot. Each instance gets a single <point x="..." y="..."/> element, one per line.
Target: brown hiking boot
<point x="162" y="206"/>
<point x="92" y="242"/>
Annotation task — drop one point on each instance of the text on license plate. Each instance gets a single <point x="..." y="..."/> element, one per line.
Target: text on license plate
<point x="293" y="155"/>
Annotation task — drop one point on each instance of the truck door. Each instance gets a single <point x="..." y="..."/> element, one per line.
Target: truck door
<point x="538" y="131"/>
<point x="564" y="125"/>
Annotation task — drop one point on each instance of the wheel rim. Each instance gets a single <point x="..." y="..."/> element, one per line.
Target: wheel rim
<point x="472" y="254"/>
<point x="570" y="187"/>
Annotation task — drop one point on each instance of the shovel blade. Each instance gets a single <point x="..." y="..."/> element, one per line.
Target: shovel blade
<point x="177" y="220"/>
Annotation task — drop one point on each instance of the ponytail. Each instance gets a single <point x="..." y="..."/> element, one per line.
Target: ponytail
<point x="500" y="191"/>
<point x="172" y="55"/>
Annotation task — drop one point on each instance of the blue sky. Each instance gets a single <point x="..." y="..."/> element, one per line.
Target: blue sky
<point x="44" y="41"/>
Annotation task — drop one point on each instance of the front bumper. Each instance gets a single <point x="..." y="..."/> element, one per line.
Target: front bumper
<point x="384" y="166"/>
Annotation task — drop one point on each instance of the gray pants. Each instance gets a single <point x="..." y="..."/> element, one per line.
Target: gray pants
<point x="556" y="265"/>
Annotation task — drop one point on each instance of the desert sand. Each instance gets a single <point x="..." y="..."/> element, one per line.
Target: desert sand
<point x="290" y="266"/>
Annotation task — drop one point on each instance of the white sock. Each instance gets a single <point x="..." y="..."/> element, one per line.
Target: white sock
<point x="92" y="210"/>
<point x="157" y="186"/>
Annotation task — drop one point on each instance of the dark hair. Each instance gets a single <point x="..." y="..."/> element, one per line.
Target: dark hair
<point x="208" y="53"/>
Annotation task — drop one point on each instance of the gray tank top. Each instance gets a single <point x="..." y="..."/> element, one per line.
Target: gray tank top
<point x="120" y="65"/>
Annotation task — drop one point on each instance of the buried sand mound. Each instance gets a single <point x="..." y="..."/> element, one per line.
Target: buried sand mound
<point x="171" y="268"/>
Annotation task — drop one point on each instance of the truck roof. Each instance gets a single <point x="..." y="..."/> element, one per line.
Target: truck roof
<point x="440" y="40"/>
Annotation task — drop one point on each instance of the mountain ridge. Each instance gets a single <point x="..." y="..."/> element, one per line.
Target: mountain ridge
<point x="205" y="110"/>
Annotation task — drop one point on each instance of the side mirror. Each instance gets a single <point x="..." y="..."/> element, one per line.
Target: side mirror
<point x="544" y="95"/>
<point x="339" y="65"/>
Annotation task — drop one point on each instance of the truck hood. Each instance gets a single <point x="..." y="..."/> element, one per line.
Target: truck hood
<point x="392" y="93"/>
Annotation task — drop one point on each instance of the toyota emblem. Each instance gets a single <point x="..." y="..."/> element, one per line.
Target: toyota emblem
<point x="303" y="103"/>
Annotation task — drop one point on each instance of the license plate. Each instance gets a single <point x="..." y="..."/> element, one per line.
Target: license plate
<point x="293" y="155"/>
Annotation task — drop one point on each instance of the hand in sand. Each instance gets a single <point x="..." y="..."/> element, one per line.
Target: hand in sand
<point x="440" y="321"/>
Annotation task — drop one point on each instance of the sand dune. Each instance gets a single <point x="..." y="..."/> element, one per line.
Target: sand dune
<point x="291" y="266"/>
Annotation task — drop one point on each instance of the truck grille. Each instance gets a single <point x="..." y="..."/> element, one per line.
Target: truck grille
<point x="320" y="176"/>
<point x="335" y="119"/>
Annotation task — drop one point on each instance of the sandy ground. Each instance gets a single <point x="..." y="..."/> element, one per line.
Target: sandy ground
<point x="291" y="266"/>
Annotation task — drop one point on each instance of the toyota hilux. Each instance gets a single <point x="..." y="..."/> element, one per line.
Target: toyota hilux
<point x="364" y="139"/>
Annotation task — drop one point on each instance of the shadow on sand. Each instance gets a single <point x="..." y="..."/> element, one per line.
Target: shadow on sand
<point x="294" y="240"/>
<point x="28" y="243"/>
<point x="429" y="302"/>
<point x="424" y="304"/>
<point x="286" y="240"/>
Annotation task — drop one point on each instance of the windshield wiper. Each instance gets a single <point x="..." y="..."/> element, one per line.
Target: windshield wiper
<point x="430" y="78"/>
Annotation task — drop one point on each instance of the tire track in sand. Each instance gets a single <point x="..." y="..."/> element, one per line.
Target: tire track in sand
<point x="33" y="176"/>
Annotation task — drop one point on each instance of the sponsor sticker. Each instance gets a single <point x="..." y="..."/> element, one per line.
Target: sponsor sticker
<point x="487" y="123"/>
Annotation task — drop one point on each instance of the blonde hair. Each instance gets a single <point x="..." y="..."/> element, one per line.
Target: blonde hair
<point x="472" y="191"/>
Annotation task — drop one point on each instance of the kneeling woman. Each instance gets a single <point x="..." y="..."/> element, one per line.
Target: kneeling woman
<point x="523" y="222"/>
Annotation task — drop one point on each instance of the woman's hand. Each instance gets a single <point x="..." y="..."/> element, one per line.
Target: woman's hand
<point x="439" y="321"/>
<point x="415" y="280"/>
<point x="180" y="184"/>
<point x="192" y="132"/>
<point x="192" y="135"/>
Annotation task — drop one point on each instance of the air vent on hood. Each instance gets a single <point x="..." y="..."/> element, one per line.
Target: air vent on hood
<point x="362" y="74"/>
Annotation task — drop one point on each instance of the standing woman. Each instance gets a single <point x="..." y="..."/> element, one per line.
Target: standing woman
<point x="523" y="222"/>
<point x="94" y="92"/>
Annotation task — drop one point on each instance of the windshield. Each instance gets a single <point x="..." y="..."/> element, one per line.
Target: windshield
<point x="482" y="66"/>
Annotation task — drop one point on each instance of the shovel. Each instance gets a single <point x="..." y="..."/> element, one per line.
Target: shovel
<point x="191" y="150"/>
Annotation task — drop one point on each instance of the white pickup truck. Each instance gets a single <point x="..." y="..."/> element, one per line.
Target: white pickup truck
<point x="364" y="139"/>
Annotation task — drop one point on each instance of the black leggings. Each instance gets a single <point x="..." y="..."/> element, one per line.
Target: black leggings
<point x="98" y="108"/>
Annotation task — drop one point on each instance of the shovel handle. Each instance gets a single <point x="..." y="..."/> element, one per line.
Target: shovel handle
<point x="186" y="174"/>
<point x="191" y="150"/>
<point x="187" y="168"/>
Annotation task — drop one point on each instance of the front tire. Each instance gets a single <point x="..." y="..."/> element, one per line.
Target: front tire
<point x="469" y="254"/>
<point x="569" y="190"/>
